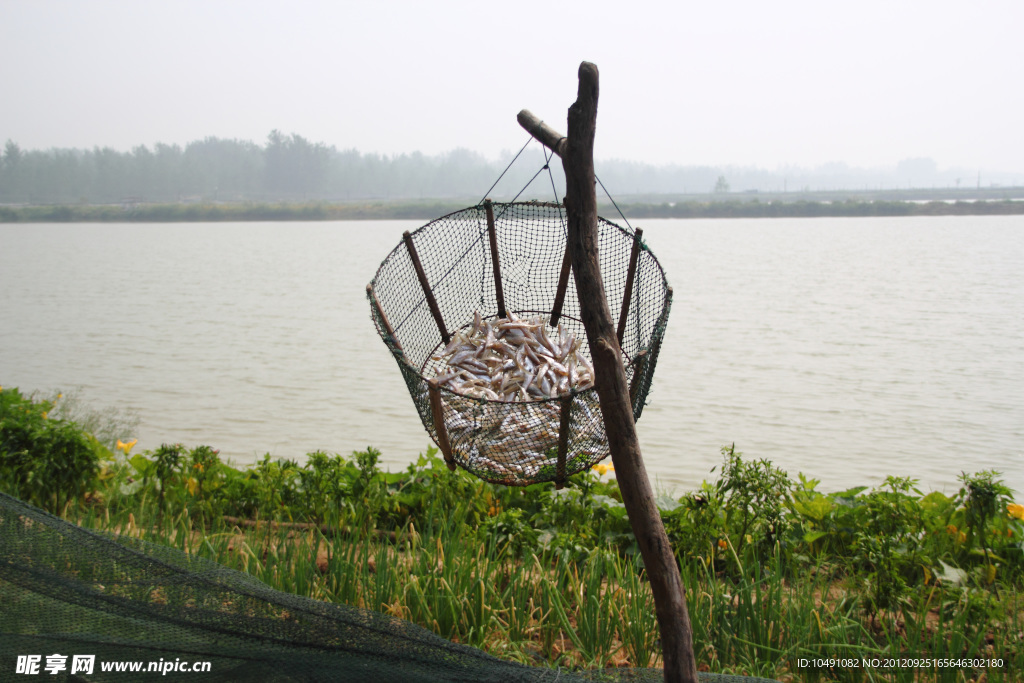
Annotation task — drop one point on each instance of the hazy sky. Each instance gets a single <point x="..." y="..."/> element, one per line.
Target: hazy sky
<point x="713" y="82"/>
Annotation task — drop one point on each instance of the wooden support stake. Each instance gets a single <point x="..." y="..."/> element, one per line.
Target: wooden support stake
<point x="563" y="440"/>
<point x="498" y="290"/>
<point x="563" y="284"/>
<point x="421" y="274"/>
<point x="437" y="411"/>
<point x="384" y="319"/>
<point x="577" y="152"/>
<point x="627" y="296"/>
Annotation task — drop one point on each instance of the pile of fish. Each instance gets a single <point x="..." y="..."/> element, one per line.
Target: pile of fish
<point x="516" y="441"/>
<point x="515" y="363"/>
<point x="513" y="359"/>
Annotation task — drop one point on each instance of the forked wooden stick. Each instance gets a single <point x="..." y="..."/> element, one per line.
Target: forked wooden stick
<point x="577" y="152"/>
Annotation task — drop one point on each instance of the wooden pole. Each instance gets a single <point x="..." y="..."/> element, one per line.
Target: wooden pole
<point x="422" y="275"/>
<point x="627" y="296"/>
<point x="542" y="132"/>
<point x="499" y="291"/>
<point x="577" y="152"/>
<point x="563" y="284"/>
<point x="437" y="412"/>
<point x="563" y="439"/>
<point x="639" y="365"/>
<point x="383" y="318"/>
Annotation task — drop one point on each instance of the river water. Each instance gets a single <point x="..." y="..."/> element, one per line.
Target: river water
<point x="844" y="348"/>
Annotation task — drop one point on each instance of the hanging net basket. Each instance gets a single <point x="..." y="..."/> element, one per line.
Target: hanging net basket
<point x="481" y="313"/>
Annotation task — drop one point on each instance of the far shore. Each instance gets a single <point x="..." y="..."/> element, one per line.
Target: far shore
<point x="725" y="207"/>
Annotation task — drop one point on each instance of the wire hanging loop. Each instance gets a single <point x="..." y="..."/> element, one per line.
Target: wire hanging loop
<point x="546" y="167"/>
<point x="491" y="188"/>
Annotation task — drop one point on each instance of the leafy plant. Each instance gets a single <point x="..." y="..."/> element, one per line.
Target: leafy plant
<point x="203" y="477"/>
<point x="888" y="542"/>
<point x="277" y="487"/>
<point x="166" y="464"/>
<point x="325" y="485"/>
<point x="510" y="530"/>
<point x="45" y="460"/>
<point x="984" y="496"/>
<point x="753" y="496"/>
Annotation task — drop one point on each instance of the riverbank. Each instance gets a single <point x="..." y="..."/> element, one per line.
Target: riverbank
<point x="429" y="209"/>
<point x="777" y="574"/>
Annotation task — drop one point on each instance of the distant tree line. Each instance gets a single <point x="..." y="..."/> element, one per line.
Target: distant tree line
<point x="286" y="168"/>
<point x="290" y="168"/>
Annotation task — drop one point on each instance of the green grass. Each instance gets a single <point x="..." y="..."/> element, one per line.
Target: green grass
<point x="775" y="572"/>
<point x="543" y="606"/>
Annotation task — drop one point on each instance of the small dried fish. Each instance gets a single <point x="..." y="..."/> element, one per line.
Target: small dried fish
<point x="516" y="365"/>
<point x="513" y="359"/>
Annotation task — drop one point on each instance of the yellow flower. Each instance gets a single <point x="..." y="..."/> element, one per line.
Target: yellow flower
<point x="126" y="447"/>
<point x="722" y="543"/>
<point x="45" y="414"/>
<point x="1015" y="510"/>
<point x="603" y="469"/>
<point x="951" y="530"/>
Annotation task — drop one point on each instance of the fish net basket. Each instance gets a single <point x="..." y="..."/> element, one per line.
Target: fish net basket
<point x="493" y="260"/>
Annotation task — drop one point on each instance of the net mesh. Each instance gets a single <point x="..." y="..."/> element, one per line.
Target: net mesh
<point x="514" y="443"/>
<point x="70" y="591"/>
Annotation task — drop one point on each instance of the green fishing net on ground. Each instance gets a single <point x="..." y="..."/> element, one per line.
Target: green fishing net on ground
<point x="68" y="593"/>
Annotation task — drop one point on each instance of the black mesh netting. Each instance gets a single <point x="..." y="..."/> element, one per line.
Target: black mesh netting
<point x="68" y="591"/>
<point x="505" y="442"/>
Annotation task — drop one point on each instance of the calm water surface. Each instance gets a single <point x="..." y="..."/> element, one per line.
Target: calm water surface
<point x="847" y="349"/>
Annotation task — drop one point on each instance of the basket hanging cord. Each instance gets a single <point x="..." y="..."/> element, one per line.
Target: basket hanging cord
<point x="612" y="200"/>
<point x="639" y="245"/>
<point x="528" y="141"/>
<point x="563" y="275"/>
<point x="547" y="165"/>
<point x="479" y="241"/>
<point x="530" y="182"/>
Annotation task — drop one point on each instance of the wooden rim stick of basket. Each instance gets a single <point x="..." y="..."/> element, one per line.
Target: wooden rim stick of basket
<point x="627" y="295"/>
<point x="577" y="152"/>
<point x="563" y="284"/>
<point x="437" y="412"/>
<point x="422" y="275"/>
<point x="639" y="365"/>
<point x="563" y="439"/>
<point x="383" y="318"/>
<point x="499" y="291"/>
